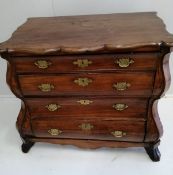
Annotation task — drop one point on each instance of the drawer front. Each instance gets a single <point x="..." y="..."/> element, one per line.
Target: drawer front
<point x="107" y="108"/>
<point x="131" y="84"/>
<point x="89" y="129"/>
<point x="53" y="64"/>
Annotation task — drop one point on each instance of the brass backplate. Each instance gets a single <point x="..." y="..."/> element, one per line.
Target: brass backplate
<point x="53" y="107"/>
<point x="46" y="87"/>
<point x="42" y="64"/>
<point x="121" y="86"/>
<point x="54" y="132"/>
<point x="124" y="62"/>
<point x="118" y="134"/>
<point x="120" y="106"/>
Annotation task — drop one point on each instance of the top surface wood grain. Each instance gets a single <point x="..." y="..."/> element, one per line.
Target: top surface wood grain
<point x="88" y="32"/>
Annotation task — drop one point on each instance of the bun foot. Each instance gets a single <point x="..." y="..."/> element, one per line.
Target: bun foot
<point x="153" y="153"/>
<point x="26" y="146"/>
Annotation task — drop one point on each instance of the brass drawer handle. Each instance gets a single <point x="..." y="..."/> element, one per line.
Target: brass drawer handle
<point x="53" y="107"/>
<point x="46" y="87"/>
<point x="82" y="63"/>
<point x="86" y="126"/>
<point x="121" y="86"/>
<point x="118" y="134"/>
<point x="42" y="64"/>
<point x="124" y="62"/>
<point x="85" y="102"/>
<point x="54" y="132"/>
<point x="120" y="106"/>
<point x="83" y="81"/>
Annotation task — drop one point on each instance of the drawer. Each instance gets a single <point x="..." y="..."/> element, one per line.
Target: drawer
<point x="89" y="129"/>
<point x="79" y="63"/>
<point x="89" y="107"/>
<point x="131" y="84"/>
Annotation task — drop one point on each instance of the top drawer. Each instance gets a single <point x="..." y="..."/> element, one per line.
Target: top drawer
<point x="79" y="63"/>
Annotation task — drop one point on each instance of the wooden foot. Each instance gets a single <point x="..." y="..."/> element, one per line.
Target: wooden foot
<point x="153" y="153"/>
<point x="26" y="146"/>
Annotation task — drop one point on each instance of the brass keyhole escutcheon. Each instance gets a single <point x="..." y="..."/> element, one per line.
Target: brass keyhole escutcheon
<point x="82" y="63"/>
<point x="83" y="81"/>
<point x="86" y="126"/>
<point x="53" y="107"/>
<point x="42" y="64"/>
<point x="124" y="62"/>
<point x="85" y="102"/>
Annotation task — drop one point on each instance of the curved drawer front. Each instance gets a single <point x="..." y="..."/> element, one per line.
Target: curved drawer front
<point x="90" y="129"/>
<point x="131" y="84"/>
<point x="79" y="63"/>
<point x="107" y="108"/>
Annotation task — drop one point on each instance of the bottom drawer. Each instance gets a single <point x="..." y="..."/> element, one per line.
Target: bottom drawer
<point x="89" y="129"/>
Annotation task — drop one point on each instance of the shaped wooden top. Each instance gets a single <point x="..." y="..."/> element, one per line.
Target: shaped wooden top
<point x="88" y="33"/>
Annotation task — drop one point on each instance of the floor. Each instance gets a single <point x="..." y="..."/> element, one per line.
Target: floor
<point x="52" y="159"/>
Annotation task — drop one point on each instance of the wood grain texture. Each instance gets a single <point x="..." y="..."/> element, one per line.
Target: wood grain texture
<point x="99" y="108"/>
<point x="102" y="84"/>
<point x="99" y="63"/>
<point x="23" y="123"/>
<point x="134" y="131"/>
<point x="154" y="128"/>
<point x="88" y="34"/>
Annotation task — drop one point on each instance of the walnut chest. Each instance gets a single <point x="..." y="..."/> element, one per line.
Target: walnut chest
<point x="90" y="81"/>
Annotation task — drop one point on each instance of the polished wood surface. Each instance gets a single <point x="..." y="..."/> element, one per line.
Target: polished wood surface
<point x="98" y="108"/>
<point x="101" y="129"/>
<point x="90" y="33"/>
<point x="102" y="84"/>
<point x="93" y="81"/>
<point x="99" y="63"/>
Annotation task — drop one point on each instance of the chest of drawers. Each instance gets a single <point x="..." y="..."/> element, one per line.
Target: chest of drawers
<point x="90" y="81"/>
